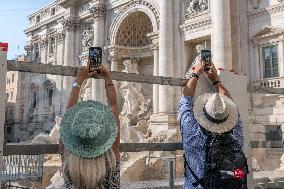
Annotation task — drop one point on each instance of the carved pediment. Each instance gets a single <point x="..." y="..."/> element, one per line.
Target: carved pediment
<point x="268" y="31"/>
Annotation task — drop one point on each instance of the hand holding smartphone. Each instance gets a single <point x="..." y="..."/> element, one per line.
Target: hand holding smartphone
<point x="206" y="57"/>
<point x="95" y="57"/>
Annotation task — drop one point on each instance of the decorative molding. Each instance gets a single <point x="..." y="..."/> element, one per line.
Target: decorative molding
<point x="197" y="26"/>
<point x="194" y="7"/>
<point x="68" y="3"/>
<point x="98" y="11"/>
<point x="70" y="24"/>
<point x="268" y="11"/>
<point x="154" y="37"/>
<point x="268" y="35"/>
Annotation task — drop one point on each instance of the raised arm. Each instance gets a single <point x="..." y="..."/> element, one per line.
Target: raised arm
<point x="112" y="102"/>
<point x="82" y="74"/>
<point x="220" y="87"/>
<point x="190" y="87"/>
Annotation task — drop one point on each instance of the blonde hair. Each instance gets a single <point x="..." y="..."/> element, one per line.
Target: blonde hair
<point x="88" y="173"/>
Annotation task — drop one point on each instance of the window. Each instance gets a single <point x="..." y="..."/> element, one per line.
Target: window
<point x="34" y="100"/>
<point x="11" y="114"/>
<point x="13" y="77"/>
<point x="38" y="19"/>
<point x="52" y="11"/>
<point x="9" y="130"/>
<point x="49" y="96"/>
<point x="52" y="45"/>
<point x="36" y="51"/>
<point x="270" y="60"/>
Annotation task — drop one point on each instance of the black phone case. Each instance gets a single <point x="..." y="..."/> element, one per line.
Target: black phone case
<point x="95" y="57"/>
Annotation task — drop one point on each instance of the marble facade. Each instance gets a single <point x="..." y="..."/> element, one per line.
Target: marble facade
<point x="162" y="35"/>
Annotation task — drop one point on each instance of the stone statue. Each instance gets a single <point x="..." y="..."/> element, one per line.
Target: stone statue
<point x="194" y="6"/>
<point x="203" y="5"/>
<point x="135" y="105"/>
<point x="87" y="40"/>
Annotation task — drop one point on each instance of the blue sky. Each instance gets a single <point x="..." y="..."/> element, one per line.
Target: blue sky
<point x="14" y="21"/>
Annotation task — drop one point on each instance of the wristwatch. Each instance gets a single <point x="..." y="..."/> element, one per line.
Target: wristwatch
<point x="75" y="85"/>
<point x="194" y="75"/>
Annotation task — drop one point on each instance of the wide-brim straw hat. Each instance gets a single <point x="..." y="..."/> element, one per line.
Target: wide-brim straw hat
<point x="215" y="112"/>
<point x="88" y="129"/>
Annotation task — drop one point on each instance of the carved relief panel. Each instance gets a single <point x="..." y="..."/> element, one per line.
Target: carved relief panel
<point x="193" y="7"/>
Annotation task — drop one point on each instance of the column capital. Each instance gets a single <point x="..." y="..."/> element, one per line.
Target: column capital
<point x="70" y="24"/>
<point x="60" y="37"/>
<point x="43" y="41"/>
<point x="98" y="11"/>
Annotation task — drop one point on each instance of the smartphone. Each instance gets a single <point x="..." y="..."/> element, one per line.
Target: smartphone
<point x="95" y="57"/>
<point x="206" y="56"/>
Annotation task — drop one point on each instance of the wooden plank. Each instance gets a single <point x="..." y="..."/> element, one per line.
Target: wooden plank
<point x="23" y="149"/>
<point x="139" y="147"/>
<point x="71" y="71"/>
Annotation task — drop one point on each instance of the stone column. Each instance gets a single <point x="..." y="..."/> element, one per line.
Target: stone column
<point x="281" y="56"/>
<point x="69" y="25"/>
<point x="98" y="12"/>
<point x="3" y="72"/>
<point x="166" y="66"/>
<point x="221" y="34"/>
<point x="43" y="49"/>
<point x="156" y="73"/>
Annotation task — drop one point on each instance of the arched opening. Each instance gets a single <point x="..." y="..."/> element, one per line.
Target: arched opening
<point x="133" y="30"/>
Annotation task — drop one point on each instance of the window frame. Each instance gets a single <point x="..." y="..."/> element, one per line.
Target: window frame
<point x="262" y="57"/>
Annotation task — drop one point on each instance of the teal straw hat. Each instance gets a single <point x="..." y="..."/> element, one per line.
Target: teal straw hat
<point x="88" y="129"/>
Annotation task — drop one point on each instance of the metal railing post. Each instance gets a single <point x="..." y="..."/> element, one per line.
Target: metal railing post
<point x="3" y="72"/>
<point x="171" y="175"/>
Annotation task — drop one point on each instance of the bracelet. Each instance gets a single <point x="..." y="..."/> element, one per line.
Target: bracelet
<point x="216" y="82"/>
<point x="194" y="75"/>
<point x="109" y="84"/>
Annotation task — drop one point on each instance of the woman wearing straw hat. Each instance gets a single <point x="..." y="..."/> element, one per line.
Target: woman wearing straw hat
<point x="213" y="112"/>
<point x="89" y="132"/>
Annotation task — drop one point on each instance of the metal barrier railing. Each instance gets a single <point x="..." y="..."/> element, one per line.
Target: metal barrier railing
<point x="21" y="167"/>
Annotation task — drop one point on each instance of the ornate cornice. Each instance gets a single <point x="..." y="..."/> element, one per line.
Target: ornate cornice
<point x="70" y="24"/>
<point x="267" y="11"/>
<point x="197" y="26"/>
<point x="68" y="3"/>
<point x="98" y="11"/>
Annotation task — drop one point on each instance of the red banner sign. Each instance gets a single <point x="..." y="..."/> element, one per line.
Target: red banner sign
<point x="4" y="47"/>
